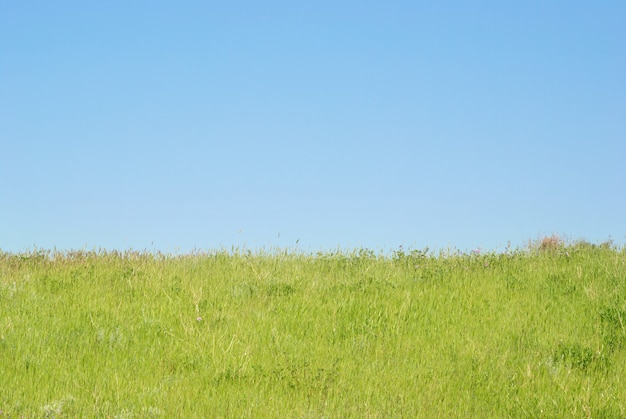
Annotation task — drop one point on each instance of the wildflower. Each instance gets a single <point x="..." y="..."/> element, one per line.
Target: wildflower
<point x="199" y="319"/>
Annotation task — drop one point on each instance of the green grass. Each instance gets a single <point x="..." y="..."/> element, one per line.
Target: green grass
<point x="284" y="334"/>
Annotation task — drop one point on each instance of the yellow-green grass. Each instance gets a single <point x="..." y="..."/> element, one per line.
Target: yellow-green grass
<point x="283" y="334"/>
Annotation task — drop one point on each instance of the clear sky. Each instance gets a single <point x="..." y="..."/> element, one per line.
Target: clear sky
<point x="174" y="125"/>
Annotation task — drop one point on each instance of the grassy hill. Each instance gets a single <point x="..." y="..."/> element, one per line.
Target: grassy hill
<point x="532" y="333"/>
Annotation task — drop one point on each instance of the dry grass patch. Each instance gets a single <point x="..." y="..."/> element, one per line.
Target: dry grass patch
<point x="550" y="243"/>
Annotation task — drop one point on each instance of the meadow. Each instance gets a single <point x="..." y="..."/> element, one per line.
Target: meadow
<point x="536" y="332"/>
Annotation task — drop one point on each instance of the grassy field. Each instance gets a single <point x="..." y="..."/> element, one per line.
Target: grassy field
<point x="532" y="333"/>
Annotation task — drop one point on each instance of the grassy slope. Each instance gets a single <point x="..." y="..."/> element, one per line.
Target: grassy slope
<point x="333" y="335"/>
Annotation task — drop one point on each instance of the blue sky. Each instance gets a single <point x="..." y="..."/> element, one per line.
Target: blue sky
<point x="197" y="124"/>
